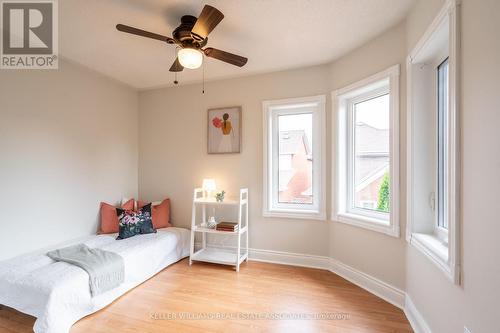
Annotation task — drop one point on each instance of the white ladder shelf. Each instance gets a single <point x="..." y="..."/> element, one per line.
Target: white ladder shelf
<point x="212" y="254"/>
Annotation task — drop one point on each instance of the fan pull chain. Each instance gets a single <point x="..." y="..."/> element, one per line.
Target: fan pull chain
<point x="175" y="57"/>
<point x="203" y="80"/>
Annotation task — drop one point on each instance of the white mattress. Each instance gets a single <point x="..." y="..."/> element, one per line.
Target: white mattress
<point x="58" y="294"/>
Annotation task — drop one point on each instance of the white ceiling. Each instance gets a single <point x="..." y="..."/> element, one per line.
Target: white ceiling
<point x="272" y="34"/>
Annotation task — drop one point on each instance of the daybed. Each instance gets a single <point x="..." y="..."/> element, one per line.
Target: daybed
<point x="58" y="294"/>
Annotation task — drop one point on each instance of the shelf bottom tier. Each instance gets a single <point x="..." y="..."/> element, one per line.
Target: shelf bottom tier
<point x="218" y="256"/>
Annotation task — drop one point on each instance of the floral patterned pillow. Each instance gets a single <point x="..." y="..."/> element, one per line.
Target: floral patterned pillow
<point x="133" y="223"/>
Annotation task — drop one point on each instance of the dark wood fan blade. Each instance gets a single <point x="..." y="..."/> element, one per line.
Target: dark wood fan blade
<point x="176" y="66"/>
<point x="225" y="56"/>
<point x="144" y="33"/>
<point x="207" y="21"/>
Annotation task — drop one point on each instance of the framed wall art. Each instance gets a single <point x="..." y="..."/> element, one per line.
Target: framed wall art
<point x="224" y="130"/>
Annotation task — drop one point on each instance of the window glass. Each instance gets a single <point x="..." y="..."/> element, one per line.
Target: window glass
<point x="442" y="125"/>
<point x="371" y="154"/>
<point x="295" y="170"/>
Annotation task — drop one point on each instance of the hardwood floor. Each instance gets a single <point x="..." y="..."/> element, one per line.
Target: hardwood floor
<point x="258" y="289"/>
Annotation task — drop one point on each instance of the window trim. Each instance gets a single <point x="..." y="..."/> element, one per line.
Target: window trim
<point x="429" y="244"/>
<point x="319" y="151"/>
<point x="340" y="100"/>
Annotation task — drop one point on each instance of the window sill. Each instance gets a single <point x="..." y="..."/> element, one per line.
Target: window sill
<point x="434" y="249"/>
<point x="372" y="224"/>
<point x="295" y="214"/>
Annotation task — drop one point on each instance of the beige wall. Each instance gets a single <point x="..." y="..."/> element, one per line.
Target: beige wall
<point x="419" y="18"/>
<point x="446" y="307"/>
<point x="173" y="151"/>
<point x="68" y="139"/>
<point x="380" y="255"/>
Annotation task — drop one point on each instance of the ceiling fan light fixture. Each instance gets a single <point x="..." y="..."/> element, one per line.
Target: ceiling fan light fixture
<point x="191" y="36"/>
<point x="190" y="58"/>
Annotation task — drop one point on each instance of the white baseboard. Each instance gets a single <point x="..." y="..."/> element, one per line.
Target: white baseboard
<point x="415" y="318"/>
<point x="377" y="287"/>
<point x="282" y="258"/>
<point x="387" y="292"/>
<point x="287" y="258"/>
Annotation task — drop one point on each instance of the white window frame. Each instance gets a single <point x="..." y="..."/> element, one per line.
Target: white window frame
<point x="271" y="110"/>
<point x="445" y="255"/>
<point x="441" y="232"/>
<point x="378" y="84"/>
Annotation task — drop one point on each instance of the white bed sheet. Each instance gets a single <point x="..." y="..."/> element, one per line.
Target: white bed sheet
<point x="58" y="294"/>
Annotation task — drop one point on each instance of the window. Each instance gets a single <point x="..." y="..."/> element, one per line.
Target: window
<point x="366" y="153"/>
<point x="433" y="130"/>
<point x="293" y="157"/>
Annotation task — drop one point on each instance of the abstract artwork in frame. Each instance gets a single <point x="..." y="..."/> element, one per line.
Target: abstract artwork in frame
<point x="224" y="130"/>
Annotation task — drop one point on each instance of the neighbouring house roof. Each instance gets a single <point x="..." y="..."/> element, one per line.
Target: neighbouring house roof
<point x="290" y="142"/>
<point x="371" y="140"/>
<point x="371" y="177"/>
<point x="366" y="166"/>
<point x="372" y="153"/>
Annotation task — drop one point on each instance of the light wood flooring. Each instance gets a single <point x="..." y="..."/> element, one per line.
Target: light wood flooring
<point x="257" y="291"/>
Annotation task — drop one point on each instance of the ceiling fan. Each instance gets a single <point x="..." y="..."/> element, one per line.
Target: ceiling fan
<point x="191" y="36"/>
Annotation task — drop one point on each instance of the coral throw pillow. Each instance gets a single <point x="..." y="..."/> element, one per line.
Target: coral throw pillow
<point x="160" y="212"/>
<point x="109" y="219"/>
